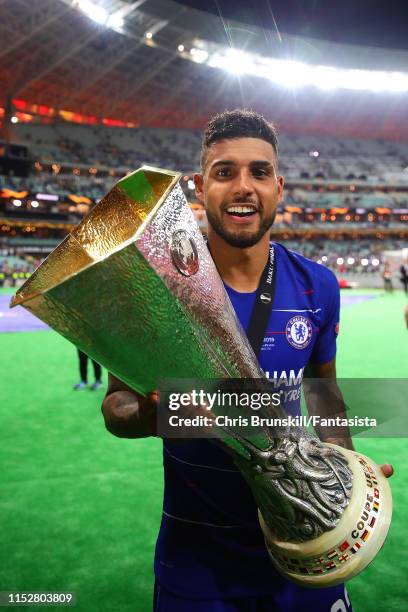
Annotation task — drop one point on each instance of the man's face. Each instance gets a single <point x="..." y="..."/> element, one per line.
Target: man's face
<point x="240" y="189"/>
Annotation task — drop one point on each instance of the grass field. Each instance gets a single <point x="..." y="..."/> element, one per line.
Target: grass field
<point x="80" y="509"/>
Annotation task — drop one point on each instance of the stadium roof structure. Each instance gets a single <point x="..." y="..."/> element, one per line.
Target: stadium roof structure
<point x="160" y="63"/>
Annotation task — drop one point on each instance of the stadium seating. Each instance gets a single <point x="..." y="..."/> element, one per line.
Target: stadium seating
<point x="300" y="156"/>
<point x="333" y="187"/>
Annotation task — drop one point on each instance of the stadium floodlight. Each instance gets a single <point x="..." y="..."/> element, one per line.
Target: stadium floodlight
<point x="397" y="81"/>
<point x="93" y="11"/>
<point x="294" y="73"/>
<point x="290" y="73"/>
<point x="358" y="79"/>
<point x="237" y="62"/>
<point x="364" y="261"/>
<point x="198" y="55"/>
<point x="216" y="60"/>
<point x="326" y="77"/>
<point x="375" y="262"/>
<point x="350" y="261"/>
<point x="16" y="202"/>
<point x="375" y="80"/>
<point x="100" y="15"/>
<point x="115" y="21"/>
<point x="340" y="261"/>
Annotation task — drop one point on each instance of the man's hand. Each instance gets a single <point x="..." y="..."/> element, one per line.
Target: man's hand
<point x="387" y="470"/>
<point x="128" y="414"/>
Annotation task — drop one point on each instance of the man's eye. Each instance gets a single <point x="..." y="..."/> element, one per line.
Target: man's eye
<point x="259" y="172"/>
<point x="223" y="172"/>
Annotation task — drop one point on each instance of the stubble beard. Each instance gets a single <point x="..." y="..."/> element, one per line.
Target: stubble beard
<point x="241" y="239"/>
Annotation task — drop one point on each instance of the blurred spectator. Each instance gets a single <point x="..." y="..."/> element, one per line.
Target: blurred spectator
<point x="404" y="276"/>
<point x="387" y="277"/>
<point x="83" y="370"/>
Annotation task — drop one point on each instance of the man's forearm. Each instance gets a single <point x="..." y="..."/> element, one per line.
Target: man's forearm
<point x="129" y="416"/>
<point x="325" y="400"/>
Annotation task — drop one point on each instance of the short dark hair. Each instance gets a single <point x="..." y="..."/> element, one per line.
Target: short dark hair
<point x="238" y="123"/>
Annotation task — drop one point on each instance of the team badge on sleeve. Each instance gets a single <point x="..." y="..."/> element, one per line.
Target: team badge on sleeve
<point x="299" y="332"/>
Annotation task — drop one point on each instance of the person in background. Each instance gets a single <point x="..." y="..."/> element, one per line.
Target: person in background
<point x="83" y="370"/>
<point x="404" y="276"/>
<point x="387" y="277"/>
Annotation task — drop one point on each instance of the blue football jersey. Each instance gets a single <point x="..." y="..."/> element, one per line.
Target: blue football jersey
<point x="210" y="544"/>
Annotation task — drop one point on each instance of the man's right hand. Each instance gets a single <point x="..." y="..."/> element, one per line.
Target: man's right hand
<point x="128" y="414"/>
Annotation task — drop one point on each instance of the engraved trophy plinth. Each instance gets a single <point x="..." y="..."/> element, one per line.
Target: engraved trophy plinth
<point x="135" y="277"/>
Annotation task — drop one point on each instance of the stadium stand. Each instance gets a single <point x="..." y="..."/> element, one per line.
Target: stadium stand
<point x="300" y="156"/>
<point x="334" y="187"/>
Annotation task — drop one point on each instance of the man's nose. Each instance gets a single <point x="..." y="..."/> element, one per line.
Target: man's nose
<point x="243" y="184"/>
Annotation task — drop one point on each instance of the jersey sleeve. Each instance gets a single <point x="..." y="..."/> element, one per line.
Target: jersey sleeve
<point x="325" y="348"/>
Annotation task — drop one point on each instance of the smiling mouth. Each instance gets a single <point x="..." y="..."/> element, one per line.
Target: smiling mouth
<point x="241" y="210"/>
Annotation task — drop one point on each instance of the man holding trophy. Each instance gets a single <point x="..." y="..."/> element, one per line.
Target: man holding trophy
<point x="210" y="554"/>
<point x="251" y="529"/>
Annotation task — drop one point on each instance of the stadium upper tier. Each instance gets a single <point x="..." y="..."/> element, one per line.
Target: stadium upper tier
<point x="300" y="157"/>
<point x="159" y="64"/>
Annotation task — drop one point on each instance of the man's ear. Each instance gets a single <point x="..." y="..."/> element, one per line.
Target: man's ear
<point x="280" y="188"/>
<point x="199" y="187"/>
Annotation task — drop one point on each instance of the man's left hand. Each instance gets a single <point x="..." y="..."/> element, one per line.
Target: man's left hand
<point x="387" y="470"/>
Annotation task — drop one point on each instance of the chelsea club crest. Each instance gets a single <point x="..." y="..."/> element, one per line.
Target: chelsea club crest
<point x="299" y="332"/>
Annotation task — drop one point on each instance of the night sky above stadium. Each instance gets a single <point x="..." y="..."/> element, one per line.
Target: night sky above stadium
<point x="376" y="23"/>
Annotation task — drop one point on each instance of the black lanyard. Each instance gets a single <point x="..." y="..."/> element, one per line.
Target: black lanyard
<point x="263" y="303"/>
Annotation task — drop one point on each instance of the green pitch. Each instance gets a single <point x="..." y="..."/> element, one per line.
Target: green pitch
<point x="80" y="509"/>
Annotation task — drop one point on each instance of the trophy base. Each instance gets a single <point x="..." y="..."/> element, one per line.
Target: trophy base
<point x="343" y="552"/>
